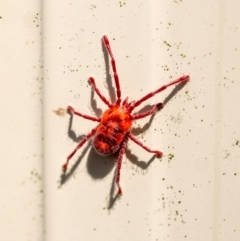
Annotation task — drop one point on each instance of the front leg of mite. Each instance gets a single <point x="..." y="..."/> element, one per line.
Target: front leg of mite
<point x="119" y="163"/>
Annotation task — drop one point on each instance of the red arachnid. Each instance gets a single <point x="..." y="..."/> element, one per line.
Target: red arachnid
<point x="114" y="126"/>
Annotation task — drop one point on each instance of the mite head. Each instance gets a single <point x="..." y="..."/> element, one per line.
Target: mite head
<point x="104" y="145"/>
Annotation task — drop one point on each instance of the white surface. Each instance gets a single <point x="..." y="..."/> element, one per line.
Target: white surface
<point x="21" y="123"/>
<point x="194" y="195"/>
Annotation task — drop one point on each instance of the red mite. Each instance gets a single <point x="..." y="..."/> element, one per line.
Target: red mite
<point x="114" y="129"/>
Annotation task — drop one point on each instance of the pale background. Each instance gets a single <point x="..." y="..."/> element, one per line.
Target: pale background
<point x="47" y="52"/>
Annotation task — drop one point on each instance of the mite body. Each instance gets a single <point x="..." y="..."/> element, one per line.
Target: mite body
<point x="114" y="126"/>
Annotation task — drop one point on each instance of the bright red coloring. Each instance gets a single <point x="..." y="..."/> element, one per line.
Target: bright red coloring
<point x="114" y="128"/>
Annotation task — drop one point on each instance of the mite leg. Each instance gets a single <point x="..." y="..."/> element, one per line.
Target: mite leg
<point x="115" y="74"/>
<point x="80" y="144"/>
<point x="150" y="112"/>
<point x="70" y="108"/>
<point x="91" y="79"/>
<point x="119" y="164"/>
<point x="184" y="78"/>
<point x="158" y="153"/>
